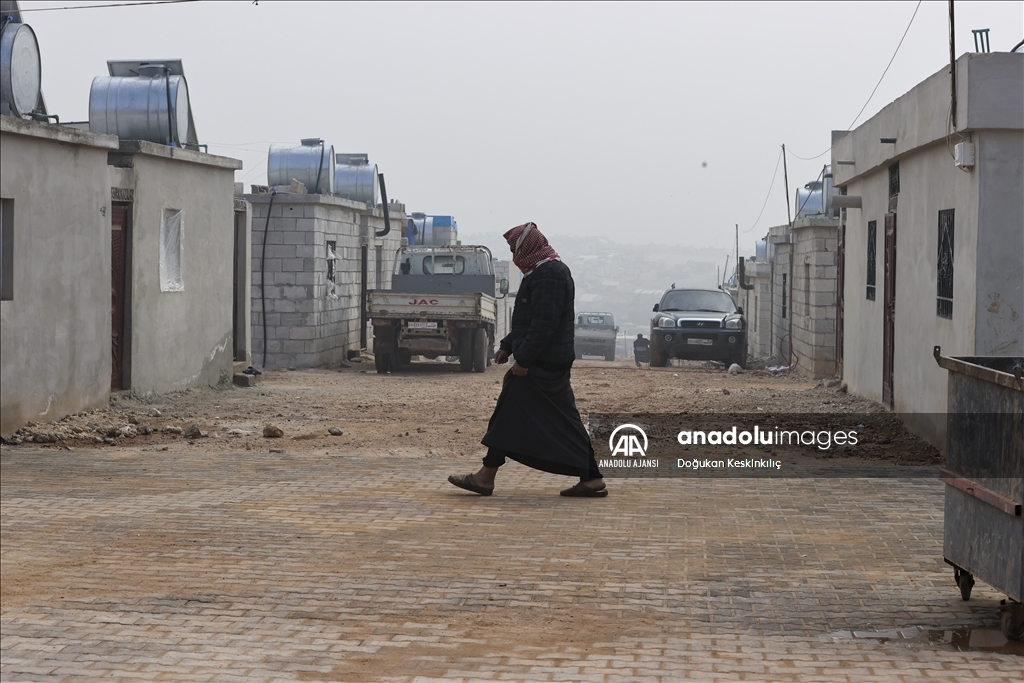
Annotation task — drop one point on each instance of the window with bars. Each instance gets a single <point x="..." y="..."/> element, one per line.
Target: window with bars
<point x="784" y="299"/>
<point x="872" y="247"/>
<point x="894" y="179"/>
<point x="944" y="289"/>
<point x="331" y="258"/>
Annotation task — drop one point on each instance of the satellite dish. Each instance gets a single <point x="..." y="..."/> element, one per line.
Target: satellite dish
<point x="21" y="72"/>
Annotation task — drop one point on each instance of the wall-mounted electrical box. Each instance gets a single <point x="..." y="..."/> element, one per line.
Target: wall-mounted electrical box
<point x="963" y="154"/>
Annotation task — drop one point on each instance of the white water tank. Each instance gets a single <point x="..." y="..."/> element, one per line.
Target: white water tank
<point x="21" y="72"/>
<point x="136" y="107"/>
<point x="355" y="178"/>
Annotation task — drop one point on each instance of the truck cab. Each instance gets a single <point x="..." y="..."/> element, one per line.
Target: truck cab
<point x="442" y="302"/>
<point x="595" y="334"/>
<point x="442" y="270"/>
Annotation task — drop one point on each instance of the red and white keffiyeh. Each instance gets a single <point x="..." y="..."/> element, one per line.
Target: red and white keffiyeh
<point x="529" y="247"/>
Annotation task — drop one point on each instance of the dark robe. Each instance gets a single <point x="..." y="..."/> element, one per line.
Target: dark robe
<point x="536" y="423"/>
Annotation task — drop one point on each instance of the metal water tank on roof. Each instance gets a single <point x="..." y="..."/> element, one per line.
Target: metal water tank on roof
<point x="355" y="178"/>
<point x="20" y="69"/>
<point x="310" y="162"/>
<point x="136" y="107"/>
<point x="431" y="230"/>
<point x="809" y="200"/>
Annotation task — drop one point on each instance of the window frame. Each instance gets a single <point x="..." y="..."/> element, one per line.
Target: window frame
<point x="944" y="272"/>
<point x="872" y="261"/>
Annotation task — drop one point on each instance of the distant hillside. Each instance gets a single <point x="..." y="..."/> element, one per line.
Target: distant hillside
<point x="621" y="278"/>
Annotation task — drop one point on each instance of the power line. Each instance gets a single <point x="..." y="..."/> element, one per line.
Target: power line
<point x="115" y="4"/>
<point x="874" y="90"/>
<point x="768" y="196"/>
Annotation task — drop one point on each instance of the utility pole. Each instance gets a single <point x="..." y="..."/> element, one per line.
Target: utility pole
<point x="737" y="244"/>
<point x="952" y="67"/>
<point x="785" y="175"/>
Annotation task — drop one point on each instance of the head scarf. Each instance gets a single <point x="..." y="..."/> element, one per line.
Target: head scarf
<point x="529" y="247"/>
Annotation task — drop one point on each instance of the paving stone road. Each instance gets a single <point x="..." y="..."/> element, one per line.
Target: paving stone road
<point x="185" y="566"/>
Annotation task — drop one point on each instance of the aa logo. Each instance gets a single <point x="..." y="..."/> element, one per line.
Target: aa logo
<point x="628" y="443"/>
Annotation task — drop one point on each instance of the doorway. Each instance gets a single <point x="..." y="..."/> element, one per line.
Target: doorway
<point x="889" y="312"/>
<point x="840" y="294"/>
<point x="120" y="237"/>
<point x="239" y="290"/>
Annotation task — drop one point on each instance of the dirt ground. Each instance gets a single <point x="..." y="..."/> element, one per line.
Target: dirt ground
<point x="315" y="556"/>
<point x="433" y="410"/>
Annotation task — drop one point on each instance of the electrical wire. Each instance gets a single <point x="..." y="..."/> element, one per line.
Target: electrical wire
<point x="113" y="4"/>
<point x="874" y="90"/>
<point x="251" y="142"/>
<point x="850" y="127"/>
<point x="263" y="276"/>
<point x="257" y="167"/>
<point x="821" y="176"/>
<point x="767" y="196"/>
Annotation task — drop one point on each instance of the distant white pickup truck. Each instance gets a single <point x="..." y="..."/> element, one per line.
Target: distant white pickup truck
<point x="595" y="335"/>
<point x="442" y="302"/>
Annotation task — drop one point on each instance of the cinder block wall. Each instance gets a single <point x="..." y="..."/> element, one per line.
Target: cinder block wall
<point x="780" y="283"/>
<point x="308" y="321"/>
<point x="815" y="273"/>
<point x="758" y="310"/>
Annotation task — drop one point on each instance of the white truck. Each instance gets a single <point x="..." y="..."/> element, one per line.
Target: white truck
<point x="442" y="302"/>
<point x="595" y="335"/>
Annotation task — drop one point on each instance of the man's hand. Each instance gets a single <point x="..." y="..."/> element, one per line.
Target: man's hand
<point x="518" y="370"/>
<point x="501" y="357"/>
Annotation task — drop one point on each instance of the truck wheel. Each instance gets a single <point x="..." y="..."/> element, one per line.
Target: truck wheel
<point x="479" y="349"/>
<point x="965" y="582"/>
<point x="1012" y="622"/>
<point x="466" y="350"/>
<point x="382" y="361"/>
<point x="609" y="354"/>
<point x="404" y="357"/>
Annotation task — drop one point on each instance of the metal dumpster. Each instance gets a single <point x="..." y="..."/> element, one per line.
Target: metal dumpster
<point x="983" y="530"/>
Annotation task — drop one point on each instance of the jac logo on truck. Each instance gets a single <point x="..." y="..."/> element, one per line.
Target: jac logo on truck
<point x="424" y="302"/>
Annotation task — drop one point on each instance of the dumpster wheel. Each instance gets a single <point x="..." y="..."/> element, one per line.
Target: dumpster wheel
<point x="1012" y="622"/>
<point x="965" y="581"/>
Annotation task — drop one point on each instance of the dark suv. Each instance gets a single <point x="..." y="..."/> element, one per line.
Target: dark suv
<point x="698" y="324"/>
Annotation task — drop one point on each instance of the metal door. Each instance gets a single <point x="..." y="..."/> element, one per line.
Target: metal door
<point x="118" y="260"/>
<point x="239" y="289"/>
<point x="363" y="287"/>
<point x="889" y="311"/>
<point x="840" y="288"/>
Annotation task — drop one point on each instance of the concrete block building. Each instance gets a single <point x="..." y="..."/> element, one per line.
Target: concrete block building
<point x="177" y="211"/>
<point x="119" y="269"/>
<point x="756" y="303"/>
<point x="791" y="306"/>
<point x="804" y="295"/>
<point x="313" y="259"/>
<point x="55" y="310"/>
<point x="933" y="236"/>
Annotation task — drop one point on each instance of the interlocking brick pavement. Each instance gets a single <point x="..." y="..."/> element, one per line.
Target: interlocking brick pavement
<point x="183" y="566"/>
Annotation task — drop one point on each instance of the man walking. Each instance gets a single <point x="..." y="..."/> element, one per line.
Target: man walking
<point x="535" y="421"/>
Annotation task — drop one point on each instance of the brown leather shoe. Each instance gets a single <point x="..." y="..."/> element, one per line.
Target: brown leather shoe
<point x="466" y="481"/>
<point x="581" y="490"/>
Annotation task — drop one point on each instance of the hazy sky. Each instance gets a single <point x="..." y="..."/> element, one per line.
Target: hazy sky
<point x="586" y="118"/>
